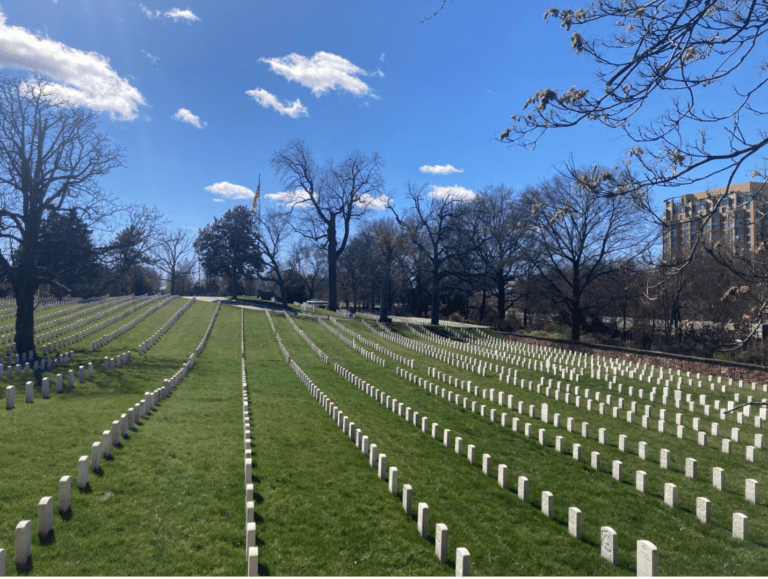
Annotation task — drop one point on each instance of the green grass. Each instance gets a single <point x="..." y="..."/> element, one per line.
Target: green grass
<point x="320" y="508"/>
<point x="171" y="501"/>
<point x="686" y="545"/>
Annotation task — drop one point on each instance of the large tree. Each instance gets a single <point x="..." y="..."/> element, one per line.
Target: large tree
<point x="329" y="197"/>
<point x="274" y="232"/>
<point x="501" y="235"/>
<point x="229" y="246"/>
<point x="582" y="233"/>
<point x="50" y="157"/>
<point x="170" y="255"/>
<point x="387" y="244"/>
<point x="438" y="224"/>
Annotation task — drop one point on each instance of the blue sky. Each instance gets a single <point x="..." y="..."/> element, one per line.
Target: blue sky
<point x="201" y="94"/>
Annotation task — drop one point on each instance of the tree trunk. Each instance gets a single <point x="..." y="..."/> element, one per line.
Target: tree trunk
<point x="435" y="320"/>
<point x="384" y="309"/>
<point x="333" y="257"/>
<point x="501" y="298"/>
<point x="575" y="323"/>
<point x="25" y="288"/>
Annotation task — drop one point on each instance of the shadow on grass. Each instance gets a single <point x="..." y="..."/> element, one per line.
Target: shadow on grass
<point x="98" y="472"/>
<point x="257" y="518"/>
<point x="25" y="568"/>
<point x="257" y="498"/>
<point x="66" y="515"/>
<point x="85" y="490"/>
<point x="49" y="539"/>
<point x="263" y="570"/>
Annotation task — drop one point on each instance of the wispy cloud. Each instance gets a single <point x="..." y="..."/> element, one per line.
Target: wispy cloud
<point x="300" y="198"/>
<point x="455" y="193"/>
<point x="176" y="14"/>
<point x="82" y="78"/>
<point x="440" y="169"/>
<point x="267" y="99"/>
<point x="181" y="15"/>
<point x="289" y="198"/>
<point x="376" y="203"/>
<point x="383" y="57"/>
<point x="219" y="200"/>
<point x="151" y="14"/>
<point x="153" y="59"/>
<point x="230" y="191"/>
<point x="186" y="116"/>
<point x="321" y="73"/>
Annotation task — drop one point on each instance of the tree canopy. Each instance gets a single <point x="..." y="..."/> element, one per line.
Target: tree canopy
<point x="50" y="157"/>
<point x="230" y="247"/>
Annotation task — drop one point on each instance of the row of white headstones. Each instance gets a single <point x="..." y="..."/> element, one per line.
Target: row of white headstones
<point x="740" y="521"/>
<point x="251" y="550"/>
<point x="726" y="443"/>
<point x="751" y="454"/>
<point x="56" y="321"/>
<point x="379" y="461"/>
<point x="99" y="449"/>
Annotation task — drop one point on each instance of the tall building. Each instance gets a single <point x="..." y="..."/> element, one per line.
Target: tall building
<point x="739" y="218"/>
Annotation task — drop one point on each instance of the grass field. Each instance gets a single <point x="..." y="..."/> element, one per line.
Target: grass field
<point x="171" y="499"/>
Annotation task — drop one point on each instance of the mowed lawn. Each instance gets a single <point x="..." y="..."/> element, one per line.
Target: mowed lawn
<point x="171" y="501"/>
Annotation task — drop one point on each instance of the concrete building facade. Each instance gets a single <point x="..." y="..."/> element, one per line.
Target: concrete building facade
<point x="738" y="219"/>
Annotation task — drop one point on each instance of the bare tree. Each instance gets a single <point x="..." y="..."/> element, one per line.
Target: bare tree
<point x="660" y="61"/>
<point x="387" y="240"/>
<point x="502" y="231"/>
<point x="437" y="225"/>
<point x="309" y="263"/>
<point x="275" y="232"/>
<point x="330" y="197"/>
<point x="130" y="248"/>
<point x="50" y="157"/>
<point x="355" y="267"/>
<point x="581" y="235"/>
<point x="171" y="253"/>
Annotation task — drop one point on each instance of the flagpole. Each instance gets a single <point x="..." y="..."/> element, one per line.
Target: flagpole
<point x="257" y="205"/>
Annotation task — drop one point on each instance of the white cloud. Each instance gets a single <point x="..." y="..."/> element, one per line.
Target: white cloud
<point x="291" y="198"/>
<point x="267" y="99"/>
<point x="230" y="190"/>
<point x="151" y="14"/>
<point x="82" y="78"/>
<point x="440" y="169"/>
<point x="152" y="59"/>
<point x="455" y="193"/>
<point x="299" y="197"/>
<point x="186" y="116"/>
<point x="376" y="203"/>
<point x="178" y="14"/>
<point x="219" y="200"/>
<point x="321" y="73"/>
<point x="383" y="57"/>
